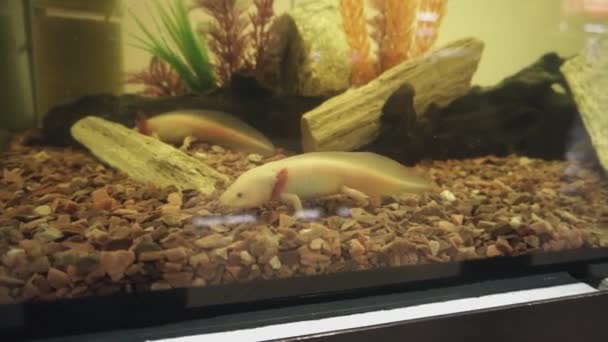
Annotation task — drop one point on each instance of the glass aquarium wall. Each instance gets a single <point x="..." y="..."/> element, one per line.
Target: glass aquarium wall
<point x="200" y="143"/>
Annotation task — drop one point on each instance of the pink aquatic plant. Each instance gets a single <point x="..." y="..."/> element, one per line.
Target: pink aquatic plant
<point x="159" y="80"/>
<point x="225" y="34"/>
<point x="238" y="38"/>
<point x="260" y="35"/>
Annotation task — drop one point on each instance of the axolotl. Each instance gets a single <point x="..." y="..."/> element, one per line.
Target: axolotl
<point x="359" y="175"/>
<point x="183" y="126"/>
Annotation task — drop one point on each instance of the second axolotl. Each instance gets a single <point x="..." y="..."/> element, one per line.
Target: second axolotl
<point x="359" y="175"/>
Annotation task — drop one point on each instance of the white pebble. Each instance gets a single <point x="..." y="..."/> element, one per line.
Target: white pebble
<point x="254" y="157"/>
<point x="515" y="221"/>
<point x="218" y="149"/>
<point x="43" y="210"/>
<point x="275" y="263"/>
<point x="447" y="195"/>
<point x="200" y="155"/>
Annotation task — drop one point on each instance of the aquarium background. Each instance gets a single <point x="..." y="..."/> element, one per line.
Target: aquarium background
<point x="81" y="47"/>
<point x="139" y="176"/>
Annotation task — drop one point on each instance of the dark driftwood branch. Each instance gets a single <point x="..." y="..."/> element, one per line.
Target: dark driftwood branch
<point x="523" y="114"/>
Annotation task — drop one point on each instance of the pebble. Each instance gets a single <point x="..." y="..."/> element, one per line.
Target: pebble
<point x="115" y="263"/>
<point x="275" y="263"/>
<point x="200" y="155"/>
<point x="218" y="149"/>
<point x="48" y="234"/>
<point x="447" y="195"/>
<point x="43" y="210"/>
<point x="7" y="280"/>
<point x="57" y="278"/>
<point x="214" y="241"/>
<point x="515" y="222"/>
<point x="255" y="158"/>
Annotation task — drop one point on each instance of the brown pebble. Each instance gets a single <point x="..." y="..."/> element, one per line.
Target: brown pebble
<point x="176" y="254"/>
<point x="151" y="256"/>
<point x="115" y="263"/>
<point x="7" y="280"/>
<point x="57" y="278"/>
<point x="102" y="200"/>
<point x="214" y="241"/>
<point x="493" y="251"/>
<point x="179" y="279"/>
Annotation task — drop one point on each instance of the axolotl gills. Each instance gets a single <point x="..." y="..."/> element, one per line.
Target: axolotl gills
<point x="359" y="175"/>
<point x="206" y="125"/>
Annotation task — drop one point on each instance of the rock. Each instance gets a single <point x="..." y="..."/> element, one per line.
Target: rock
<point x="48" y="234"/>
<point x="275" y="263"/>
<point x="176" y="254"/>
<point x="447" y="195"/>
<point x="214" y="241"/>
<point x="310" y="56"/>
<point x="217" y="149"/>
<point x="493" y="251"/>
<point x="179" y="279"/>
<point x="115" y="263"/>
<point x="255" y="158"/>
<point x="43" y="210"/>
<point x="587" y="76"/>
<point x="57" y="278"/>
<point x="101" y="199"/>
<point x="87" y="264"/>
<point x="10" y="281"/>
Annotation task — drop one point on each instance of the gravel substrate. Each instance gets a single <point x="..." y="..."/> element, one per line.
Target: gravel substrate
<point x="71" y="227"/>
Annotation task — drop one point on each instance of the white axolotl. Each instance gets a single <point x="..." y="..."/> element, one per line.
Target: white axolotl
<point x="359" y="175"/>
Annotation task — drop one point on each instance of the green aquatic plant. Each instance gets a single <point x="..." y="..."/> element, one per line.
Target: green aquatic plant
<point x="178" y="45"/>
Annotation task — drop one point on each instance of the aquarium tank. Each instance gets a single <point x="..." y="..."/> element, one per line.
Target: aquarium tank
<point x="217" y="145"/>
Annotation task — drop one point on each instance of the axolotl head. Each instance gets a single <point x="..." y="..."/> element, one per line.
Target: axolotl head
<point x="253" y="188"/>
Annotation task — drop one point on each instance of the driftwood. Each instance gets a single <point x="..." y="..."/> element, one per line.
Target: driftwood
<point x="352" y="119"/>
<point x="530" y="113"/>
<point x="144" y="158"/>
<point x="587" y="76"/>
<point x="276" y="116"/>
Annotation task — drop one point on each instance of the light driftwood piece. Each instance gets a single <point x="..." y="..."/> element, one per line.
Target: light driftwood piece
<point x="144" y="158"/>
<point x="587" y="76"/>
<point x="352" y="119"/>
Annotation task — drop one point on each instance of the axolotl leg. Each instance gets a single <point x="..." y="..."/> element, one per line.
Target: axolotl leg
<point x="353" y="193"/>
<point x="359" y="196"/>
<point x="293" y="200"/>
<point x="289" y="198"/>
<point x="187" y="141"/>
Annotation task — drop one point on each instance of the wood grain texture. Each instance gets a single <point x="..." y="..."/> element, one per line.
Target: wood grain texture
<point x="144" y="158"/>
<point x="587" y="76"/>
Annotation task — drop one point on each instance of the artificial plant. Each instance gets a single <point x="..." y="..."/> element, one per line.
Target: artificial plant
<point x="260" y="34"/>
<point x="355" y="27"/>
<point x="225" y="33"/>
<point x="395" y="27"/>
<point x="159" y="80"/>
<point x="178" y="45"/>
<point x="235" y="45"/>
<point x="432" y="14"/>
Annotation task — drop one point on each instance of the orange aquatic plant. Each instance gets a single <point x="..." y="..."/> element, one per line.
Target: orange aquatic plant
<point x="355" y="27"/>
<point x="430" y="16"/>
<point x="395" y="27"/>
